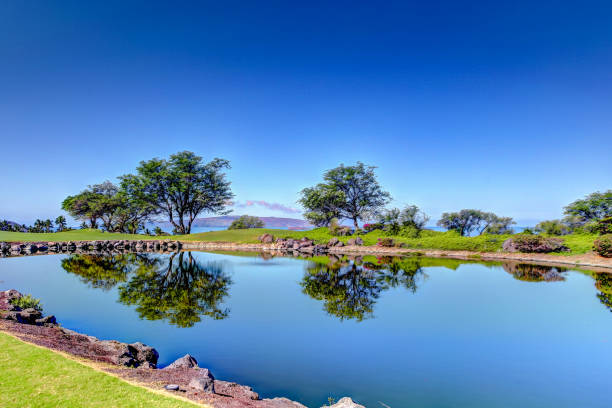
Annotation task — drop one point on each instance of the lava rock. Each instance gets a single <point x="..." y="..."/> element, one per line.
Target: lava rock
<point x="204" y="381"/>
<point x="187" y="361"/>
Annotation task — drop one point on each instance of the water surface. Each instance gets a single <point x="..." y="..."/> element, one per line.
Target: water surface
<point x="403" y="332"/>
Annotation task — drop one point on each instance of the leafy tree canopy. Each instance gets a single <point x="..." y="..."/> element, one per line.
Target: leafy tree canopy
<point x="245" y="222"/>
<point x="593" y="207"/>
<point x="350" y="192"/>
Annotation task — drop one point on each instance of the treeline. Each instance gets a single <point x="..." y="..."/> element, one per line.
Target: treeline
<point x="183" y="186"/>
<point x="179" y="189"/>
<point x="353" y="193"/>
<point x="39" y="226"/>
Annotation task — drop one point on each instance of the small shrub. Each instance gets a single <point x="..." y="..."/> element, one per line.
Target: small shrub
<point x="603" y="246"/>
<point x="603" y="226"/>
<point x="28" y="301"/>
<point x="386" y="242"/>
<point x="371" y="227"/>
<point x="537" y="243"/>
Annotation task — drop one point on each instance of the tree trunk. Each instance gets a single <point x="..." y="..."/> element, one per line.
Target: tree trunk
<point x="355" y="223"/>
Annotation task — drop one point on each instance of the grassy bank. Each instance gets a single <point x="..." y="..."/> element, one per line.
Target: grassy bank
<point x="37" y="377"/>
<point x="450" y="241"/>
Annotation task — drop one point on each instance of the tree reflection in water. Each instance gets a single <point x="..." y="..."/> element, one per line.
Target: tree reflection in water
<point x="177" y="288"/>
<point x="350" y="289"/>
<point x="603" y="283"/>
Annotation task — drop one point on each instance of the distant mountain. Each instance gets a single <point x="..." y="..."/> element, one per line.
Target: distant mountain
<point x="270" y="222"/>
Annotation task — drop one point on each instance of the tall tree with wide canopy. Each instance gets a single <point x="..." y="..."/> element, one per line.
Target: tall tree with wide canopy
<point x="593" y="207"/>
<point x="350" y="192"/>
<point x="182" y="187"/>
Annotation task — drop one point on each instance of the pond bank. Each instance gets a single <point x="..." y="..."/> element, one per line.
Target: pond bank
<point x="135" y="362"/>
<point x="589" y="260"/>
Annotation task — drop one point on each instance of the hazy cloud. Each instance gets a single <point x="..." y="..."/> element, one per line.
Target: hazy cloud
<point x="265" y="204"/>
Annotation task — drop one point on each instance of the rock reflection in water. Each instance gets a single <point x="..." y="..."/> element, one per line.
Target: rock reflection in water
<point x="175" y="288"/>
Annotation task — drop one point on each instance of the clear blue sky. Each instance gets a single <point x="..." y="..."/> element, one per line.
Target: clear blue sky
<point x="502" y="106"/>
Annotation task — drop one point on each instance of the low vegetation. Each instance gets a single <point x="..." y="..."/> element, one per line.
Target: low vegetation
<point x="603" y="246"/>
<point x="28" y="301"/>
<point x="245" y="222"/>
<point x="35" y="377"/>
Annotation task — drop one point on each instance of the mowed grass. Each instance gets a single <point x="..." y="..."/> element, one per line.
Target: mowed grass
<point x="449" y="240"/>
<point x="34" y="377"/>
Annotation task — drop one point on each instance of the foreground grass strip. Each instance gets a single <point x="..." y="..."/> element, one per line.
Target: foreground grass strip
<point x="34" y="377"/>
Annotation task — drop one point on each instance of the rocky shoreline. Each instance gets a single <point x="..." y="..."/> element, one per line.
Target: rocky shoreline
<point x="295" y="247"/>
<point x="136" y="362"/>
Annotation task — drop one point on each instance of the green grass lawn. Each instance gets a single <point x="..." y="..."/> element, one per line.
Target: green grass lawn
<point x="34" y="377"/>
<point x="450" y="241"/>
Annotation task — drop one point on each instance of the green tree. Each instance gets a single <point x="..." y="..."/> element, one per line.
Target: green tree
<point x="322" y="204"/>
<point x="593" y="207"/>
<point x="60" y="223"/>
<point x="245" y="222"/>
<point x="466" y="221"/>
<point x="182" y="187"/>
<point x="552" y="227"/>
<point x="83" y="207"/>
<point x="350" y="192"/>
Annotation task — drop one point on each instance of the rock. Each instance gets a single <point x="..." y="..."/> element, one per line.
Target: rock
<point x="46" y="320"/>
<point x="345" y="402"/>
<point x="172" y="387"/>
<point x="281" y="403"/>
<point x="204" y="381"/>
<point x="144" y="353"/>
<point x="339" y="244"/>
<point x="508" y="245"/>
<point x="351" y="242"/>
<point x="332" y="242"/>
<point x="186" y="361"/>
<point x="267" y="238"/>
<point x="235" y="390"/>
<point x="129" y="355"/>
<point x="27" y="316"/>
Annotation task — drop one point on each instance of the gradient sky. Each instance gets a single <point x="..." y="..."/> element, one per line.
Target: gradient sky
<point x="501" y="106"/>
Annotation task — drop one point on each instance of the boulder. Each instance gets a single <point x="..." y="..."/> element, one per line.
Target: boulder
<point x="281" y="403"/>
<point x="204" y="381"/>
<point x="267" y="238"/>
<point x="46" y="321"/>
<point x="350" y="242"/>
<point x="26" y="316"/>
<point x="332" y="242"/>
<point x="186" y="361"/>
<point x="235" y="390"/>
<point x="345" y="402"/>
<point x="129" y="355"/>
<point x="359" y="241"/>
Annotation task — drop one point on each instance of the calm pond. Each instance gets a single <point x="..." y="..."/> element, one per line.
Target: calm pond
<point x="410" y="332"/>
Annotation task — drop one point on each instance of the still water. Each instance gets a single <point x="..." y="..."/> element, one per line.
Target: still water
<point x="410" y="332"/>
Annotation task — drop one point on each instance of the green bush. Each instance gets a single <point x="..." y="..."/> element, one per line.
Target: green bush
<point x="538" y="244"/>
<point x="386" y="242"/>
<point x="28" y="301"/>
<point x="604" y="226"/>
<point x="603" y="246"/>
<point x="245" y="222"/>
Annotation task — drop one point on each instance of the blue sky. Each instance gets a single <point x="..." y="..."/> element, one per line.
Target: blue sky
<point x="502" y="107"/>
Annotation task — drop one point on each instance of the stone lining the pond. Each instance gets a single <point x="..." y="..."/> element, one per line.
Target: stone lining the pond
<point x="138" y="361"/>
<point x="104" y="246"/>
